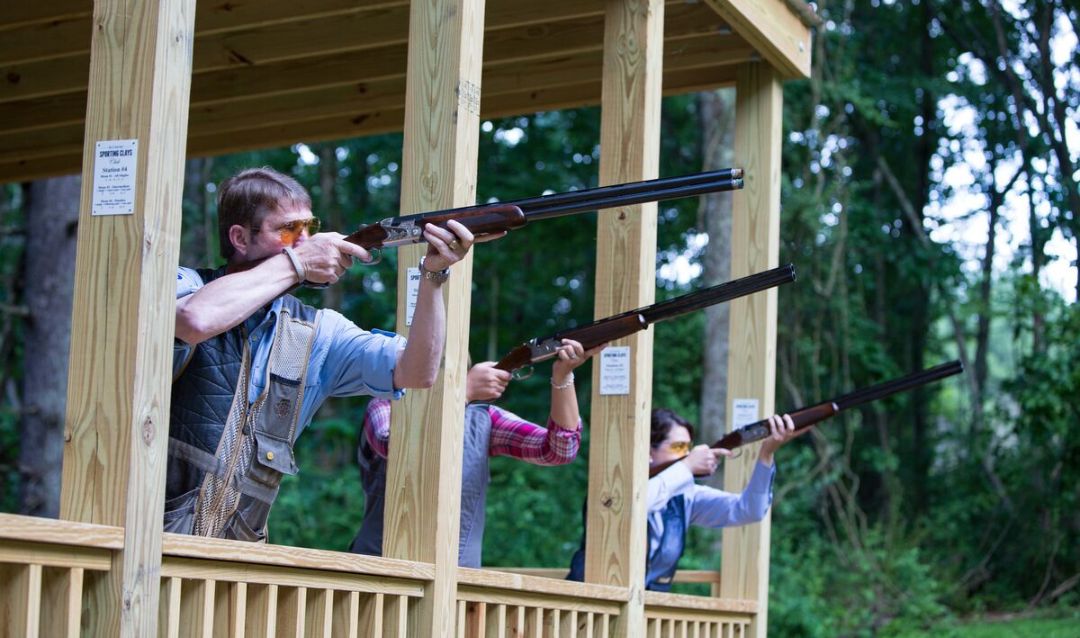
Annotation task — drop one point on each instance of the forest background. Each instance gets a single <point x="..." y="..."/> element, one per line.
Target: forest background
<point x="930" y="205"/>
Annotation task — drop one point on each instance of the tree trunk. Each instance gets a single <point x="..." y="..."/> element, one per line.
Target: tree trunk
<point x="982" y="330"/>
<point x="716" y="113"/>
<point x="330" y="212"/>
<point x="52" y="213"/>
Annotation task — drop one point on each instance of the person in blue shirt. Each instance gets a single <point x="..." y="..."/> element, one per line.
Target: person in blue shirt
<point x="675" y="501"/>
<point x="251" y="364"/>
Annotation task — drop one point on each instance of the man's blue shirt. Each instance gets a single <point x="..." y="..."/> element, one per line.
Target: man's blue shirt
<point x="345" y="359"/>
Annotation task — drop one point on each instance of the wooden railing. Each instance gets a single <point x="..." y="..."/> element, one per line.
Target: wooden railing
<point x="49" y="570"/>
<point x="46" y="569"/>
<point x="213" y="587"/>
<point x="501" y="604"/>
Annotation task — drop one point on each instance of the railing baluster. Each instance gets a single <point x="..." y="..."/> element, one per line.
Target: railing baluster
<point x="552" y="621"/>
<point x="262" y="611"/>
<point x="33" y="601"/>
<point x="209" y="592"/>
<point x="568" y="625"/>
<point x="372" y="613"/>
<point x="346" y="614"/>
<point x="74" y="602"/>
<point x="496" y="621"/>
<point x="397" y="616"/>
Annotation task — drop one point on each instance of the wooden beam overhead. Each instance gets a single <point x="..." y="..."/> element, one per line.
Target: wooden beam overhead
<point x="774" y="29"/>
<point x="293" y="68"/>
<point x="355" y="45"/>
<point x="343" y="112"/>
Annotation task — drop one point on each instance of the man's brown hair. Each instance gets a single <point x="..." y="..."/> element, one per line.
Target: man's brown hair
<point x="246" y="199"/>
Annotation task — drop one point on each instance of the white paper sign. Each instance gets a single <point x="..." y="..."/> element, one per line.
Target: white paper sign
<point x="743" y="412"/>
<point x="114" y="177"/>
<point x="412" y="292"/>
<point x="615" y="370"/>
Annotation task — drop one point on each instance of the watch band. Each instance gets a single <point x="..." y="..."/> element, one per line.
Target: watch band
<point x="297" y="265"/>
<point x="437" y="276"/>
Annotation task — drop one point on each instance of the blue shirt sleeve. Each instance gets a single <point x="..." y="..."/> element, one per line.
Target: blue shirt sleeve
<point x="187" y="282"/>
<point x="356" y="361"/>
<point x="710" y="507"/>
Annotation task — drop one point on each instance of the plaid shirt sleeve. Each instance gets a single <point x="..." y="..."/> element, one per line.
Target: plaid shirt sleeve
<point x="377" y="426"/>
<point x="513" y="436"/>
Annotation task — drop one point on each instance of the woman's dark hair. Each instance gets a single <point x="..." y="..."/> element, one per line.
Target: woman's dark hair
<point x="249" y="196"/>
<point x="662" y="422"/>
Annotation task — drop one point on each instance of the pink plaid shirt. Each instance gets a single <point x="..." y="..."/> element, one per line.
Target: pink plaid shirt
<point x="510" y="436"/>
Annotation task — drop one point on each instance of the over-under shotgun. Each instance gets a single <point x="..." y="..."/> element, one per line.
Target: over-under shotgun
<point x="486" y="219"/>
<point x="808" y="416"/>
<point x="627" y="323"/>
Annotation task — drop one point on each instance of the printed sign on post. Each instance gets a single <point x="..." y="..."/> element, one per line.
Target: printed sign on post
<point x="412" y="293"/>
<point x="743" y="412"/>
<point x="615" y="370"/>
<point x="114" y="177"/>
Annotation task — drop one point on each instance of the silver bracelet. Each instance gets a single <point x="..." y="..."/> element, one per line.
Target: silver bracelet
<point x="566" y="384"/>
<point x="297" y="265"/>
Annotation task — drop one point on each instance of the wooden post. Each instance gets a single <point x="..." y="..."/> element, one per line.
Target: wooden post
<point x="625" y="279"/>
<point x="755" y="246"/>
<point x="119" y="382"/>
<point x="442" y="127"/>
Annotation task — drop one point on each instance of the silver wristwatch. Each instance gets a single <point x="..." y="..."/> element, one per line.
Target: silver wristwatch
<point x="435" y="277"/>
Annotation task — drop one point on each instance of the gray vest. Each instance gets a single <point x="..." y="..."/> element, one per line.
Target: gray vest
<point x="226" y="457"/>
<point x="475" y="477"/>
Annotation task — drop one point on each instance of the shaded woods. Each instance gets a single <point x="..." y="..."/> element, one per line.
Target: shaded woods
<point x="930" y="205"/>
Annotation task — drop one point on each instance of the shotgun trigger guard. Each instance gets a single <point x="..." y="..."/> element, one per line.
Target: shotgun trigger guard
<point x="376" y="257"/>
<point x="522" y="373"/>
<point x="397" y="234"/>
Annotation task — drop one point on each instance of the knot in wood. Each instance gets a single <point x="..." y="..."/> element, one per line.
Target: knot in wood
<point x="148" y="431"/>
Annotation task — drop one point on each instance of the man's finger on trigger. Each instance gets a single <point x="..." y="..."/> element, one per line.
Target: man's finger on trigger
<point x="352" y="250"/>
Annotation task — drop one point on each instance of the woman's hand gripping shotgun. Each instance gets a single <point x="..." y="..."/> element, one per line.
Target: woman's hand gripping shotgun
<point x="814" y="414"/>
<point x="615" y="327"/>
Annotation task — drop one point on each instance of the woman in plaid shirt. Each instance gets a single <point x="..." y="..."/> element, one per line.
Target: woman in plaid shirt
<point x="489" y="431"/>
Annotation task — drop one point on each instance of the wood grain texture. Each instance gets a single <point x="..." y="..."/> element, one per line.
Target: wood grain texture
<point x="777" y="32"/>
<point x="286" y="576"/>
<point x="438" y="171"/>
<point x="183" y="545"/>
<point x="123" y="311"/>
<point x="547" y="582"/>
<point x="48" y="530"/>
<point x="625" y="279"/>
<point x="755" y="241"/>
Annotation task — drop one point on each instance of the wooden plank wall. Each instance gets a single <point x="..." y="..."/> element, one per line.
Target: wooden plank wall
<point x="625" y="279"/>
<point x="122" y="329"/>
<point x="442" y="127"/>
<point x="755" y="246"/>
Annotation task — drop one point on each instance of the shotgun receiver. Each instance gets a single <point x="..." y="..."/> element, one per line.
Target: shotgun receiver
<point x="487" y="219"/>
<point x="811" y="415"/>
<point x="627" y="323"/>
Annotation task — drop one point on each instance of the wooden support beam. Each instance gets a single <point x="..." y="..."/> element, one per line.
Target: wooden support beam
<point x="625" y="279"/>
<point x="777" y="32"/>
<point x="755" y="246"/>
<point x="119" y="386"/>
<point x="439" y="162"/>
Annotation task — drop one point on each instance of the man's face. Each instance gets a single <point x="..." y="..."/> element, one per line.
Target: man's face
<point x="280" y="229"/>
<point x="674" y="447"/>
